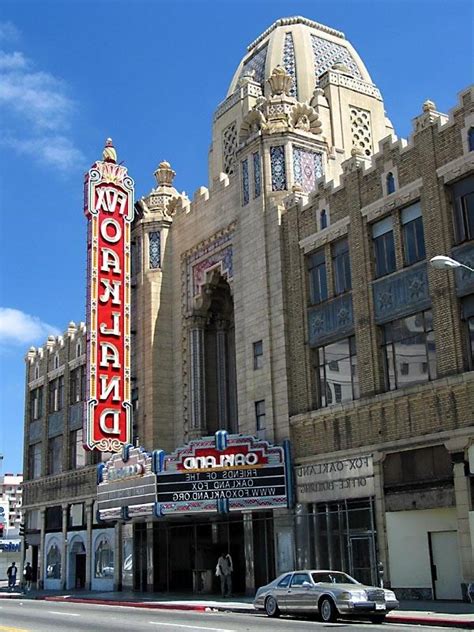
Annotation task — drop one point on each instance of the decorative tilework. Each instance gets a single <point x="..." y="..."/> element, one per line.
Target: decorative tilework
<point x="256" y="64"/>
<point x="257" y="175"/>
<point x="277" y="159"/>
<point x="307" y="167"/>
<point x="55" y="424"/>
<point x="229" y="146"/>
<point x="154" y="241"/>
<point x="289" y="63"/>
<point x="245" y="182"/>
<point x="327" y="53"/>
<point x="331" y="320"/>
<point x="221" y="259"/>
<point x="36" y="431"/>
<point x="401" y="293"/>
<point x="361" y="129"/>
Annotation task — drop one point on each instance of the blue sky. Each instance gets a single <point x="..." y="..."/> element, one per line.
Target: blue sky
<point x="150" y="73"/>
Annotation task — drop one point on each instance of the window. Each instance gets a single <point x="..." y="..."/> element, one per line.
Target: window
<point x="323" y="219"/>
<point x="341" y="266"/>
<point x="53" y="563"/>
<point x="104" y="559"/>
<point x="285" y="582"/>
<point x="463" y="202"/>
<point x="336" y="375"/>
<point x="78" y="453"/>
<point x="36" y="403"/>
<point x="470" y="139"/>
<point x="257" y="177"/>
<point x="154" y="242"/>
<point x="78" y="350"/>
<point x="390" y="183"/>
<point x="56" y="361"/>
<point x="467" y="311"/>
<point x="409" y="350"/>
<point x="413" y="237"/>
<point x="34" y="460"/>
<point x="260" y="414"/>
<point x="422" y="464"/>
<point x="299" y="579"/>
<point x="245" y="182"/>
<point x="77" y="384"/>
<point x="37" y="372"/>
<point x="56" y="394"/>
<point x="384" y="249"/>
<point x="55" y="455"/>
<point x="257" y="354"/>
<point x="318" y="287"/>
<point x="76" y="515"/>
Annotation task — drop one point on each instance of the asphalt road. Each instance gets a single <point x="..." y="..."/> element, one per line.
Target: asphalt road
<point x="44" y="616"/>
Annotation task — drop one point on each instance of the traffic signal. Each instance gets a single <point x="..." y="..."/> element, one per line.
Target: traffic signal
<point x="22" y="529"/>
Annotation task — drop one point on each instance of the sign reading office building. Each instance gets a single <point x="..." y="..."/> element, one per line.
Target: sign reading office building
<point x="335" y="480"/>
<point x="108" y="206"/>
<point x="224" y="473"/>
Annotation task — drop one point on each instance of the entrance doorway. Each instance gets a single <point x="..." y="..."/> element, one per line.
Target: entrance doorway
<point x="361" y="558"/>
<point x="445" y="567"/>
<point x="77" y="565"/>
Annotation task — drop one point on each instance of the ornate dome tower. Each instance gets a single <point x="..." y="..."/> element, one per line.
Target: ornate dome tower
<point x="327" y="93"/>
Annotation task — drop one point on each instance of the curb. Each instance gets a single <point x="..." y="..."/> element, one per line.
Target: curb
<point x="130" y="604"/>
<point x="435" y="622"/>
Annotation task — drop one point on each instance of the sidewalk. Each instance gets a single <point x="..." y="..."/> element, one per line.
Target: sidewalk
<point x="428" y="613"/>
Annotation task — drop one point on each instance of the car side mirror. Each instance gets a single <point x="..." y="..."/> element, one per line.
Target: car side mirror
<point x="307" y="584"/>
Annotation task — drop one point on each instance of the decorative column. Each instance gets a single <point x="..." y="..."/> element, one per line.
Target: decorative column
<point x="248" y="553"/>
<point x="42" y="552"/>
<point x="463" y="506"/>
<point x="89" y="554"/>
<point x="380" y="524"/>
<point x="222" y="373"/>
<point x="197" y="394"/>
<point x="64" y="549"/>
<point x="118" y="561"/>
<point x="302" y="536"/>
<point x="150" y="576"/>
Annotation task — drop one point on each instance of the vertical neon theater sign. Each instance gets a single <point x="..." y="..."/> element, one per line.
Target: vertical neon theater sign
<point x="108" y="206"/>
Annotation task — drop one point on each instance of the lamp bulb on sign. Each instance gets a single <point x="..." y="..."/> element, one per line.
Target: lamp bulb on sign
<point x="109" y="154"/>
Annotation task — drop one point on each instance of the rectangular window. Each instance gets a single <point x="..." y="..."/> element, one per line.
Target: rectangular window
<point x="78" y="453"/>
<point x="463" y="203"/>
<point x="257" y="176"/>
<point x="36" y="403"/>
<point x="55" y="455"/>
<point x="56" y="394"/>
<point x="467" y="313"/>
<point x="318" y="286"/>
<point x="413" y="236"/>
<point x="409" y="350"/>
<point x="76" y="515"/>
<point x="336" y="374"/>
<point x="34" y="461"/>
<point x="341" y="266"/>
<point x="77" y="385"/>
<point x="154" y="251"/>
<point x="245" y="182"/>
<point x="260" y="414"/>
<point x="258" y="354"/>
<point x="277" y="161"/>
<point x="384" y="248"/>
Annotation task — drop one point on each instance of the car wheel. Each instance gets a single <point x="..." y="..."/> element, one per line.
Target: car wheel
<point x="327" y="610"/>
<point x="380" y="618"/>
<point x="271" y="607"/>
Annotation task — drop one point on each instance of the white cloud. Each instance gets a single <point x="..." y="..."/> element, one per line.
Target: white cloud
<point x="8" y="32"/>
<point x="16" y="327"/>
<point x="36" y="110"/>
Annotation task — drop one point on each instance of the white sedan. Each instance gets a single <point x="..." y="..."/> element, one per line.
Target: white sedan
<point x="327" y="593"/>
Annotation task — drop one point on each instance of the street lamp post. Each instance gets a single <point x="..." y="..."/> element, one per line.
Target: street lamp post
<point x="441" y="262"/>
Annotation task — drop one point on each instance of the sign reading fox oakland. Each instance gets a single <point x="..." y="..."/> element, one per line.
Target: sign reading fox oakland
<point x="108" y="206"/>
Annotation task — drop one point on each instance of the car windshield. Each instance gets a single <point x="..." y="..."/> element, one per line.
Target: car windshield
<point x="331" y="577"/>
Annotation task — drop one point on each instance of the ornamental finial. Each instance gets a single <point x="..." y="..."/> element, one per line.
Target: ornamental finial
<point x="109" y="154"/>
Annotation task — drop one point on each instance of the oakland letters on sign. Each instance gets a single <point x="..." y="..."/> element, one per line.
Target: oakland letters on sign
<point x="108" y="206"/>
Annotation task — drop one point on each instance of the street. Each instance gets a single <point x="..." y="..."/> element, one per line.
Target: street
<point x="44" y="616"/>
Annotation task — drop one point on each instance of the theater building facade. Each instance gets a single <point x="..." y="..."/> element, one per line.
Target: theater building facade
<point x="278" y="304"/>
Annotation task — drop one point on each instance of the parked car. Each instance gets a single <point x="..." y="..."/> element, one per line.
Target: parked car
<point x="328" y="593"/>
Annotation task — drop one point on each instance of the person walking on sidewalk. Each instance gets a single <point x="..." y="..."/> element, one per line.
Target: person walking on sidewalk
<point x="11" y="574"/>
<point x="28" y="576"/>
<point x="224" y="570"/>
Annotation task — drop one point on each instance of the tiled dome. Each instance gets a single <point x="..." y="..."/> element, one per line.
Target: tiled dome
<point x="305" y="49"/>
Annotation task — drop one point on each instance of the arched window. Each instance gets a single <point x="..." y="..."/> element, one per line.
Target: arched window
<point x="104" y="559"/>
<point x="37" y="372"/>
<point x="53" y="563"/>
<point x="470" y="139"/>
<point x="390" y="183"/>
<point x="78" y="350"/>
<point x="323" y="219"/>
<point x="56" y="361"/>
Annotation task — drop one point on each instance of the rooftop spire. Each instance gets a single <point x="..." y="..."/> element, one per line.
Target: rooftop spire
<point x="109" y="154"/>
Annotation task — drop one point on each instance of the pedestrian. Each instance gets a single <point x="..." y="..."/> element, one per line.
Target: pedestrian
<point x="28" y="576"/>
<point x="224" y="571"/>
<point x="11" y="574"/>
